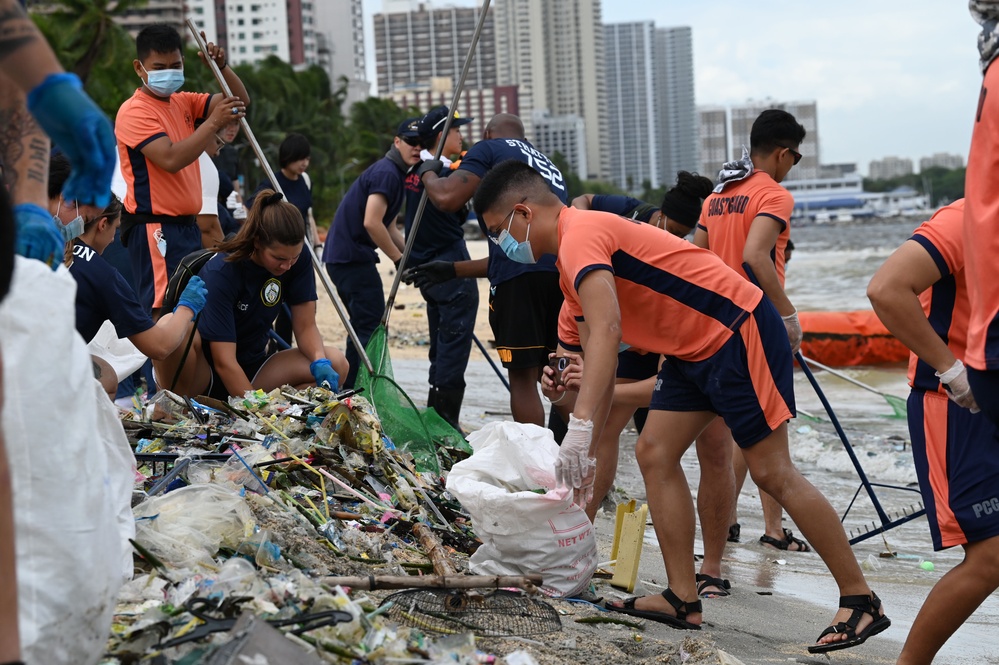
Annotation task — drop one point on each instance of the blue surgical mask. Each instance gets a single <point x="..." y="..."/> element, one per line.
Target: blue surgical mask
<point x="164" y="82"/>
<point x="73" y="229"/>
<point x="516" y="251"/>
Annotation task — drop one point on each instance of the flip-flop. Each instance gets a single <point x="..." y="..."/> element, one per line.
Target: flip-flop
<point x="678" y="621"/>
<point x="860" y="605"/>
<point x="705" y="581"/>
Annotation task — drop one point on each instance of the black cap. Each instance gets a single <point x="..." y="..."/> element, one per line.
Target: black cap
<point x="433" y="123"/>
<point x="409" y="129"/>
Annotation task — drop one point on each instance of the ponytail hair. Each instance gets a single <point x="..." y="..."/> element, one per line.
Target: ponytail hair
<point x="271" y="220"/>
<point x="682" y="202"/>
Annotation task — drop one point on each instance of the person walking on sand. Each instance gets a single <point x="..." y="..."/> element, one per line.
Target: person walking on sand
<point x="726" y="354"/>
<point x="746" y="221"/>
<point x="921" y="295"/>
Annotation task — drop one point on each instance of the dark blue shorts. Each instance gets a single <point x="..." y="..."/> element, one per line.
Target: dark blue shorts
<point x="749" y="381"/>
<point x="155" y="251"/>
<point x="956" y="454"/>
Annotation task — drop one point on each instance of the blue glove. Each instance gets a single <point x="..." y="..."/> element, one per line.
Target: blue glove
<point x="38" y="235"/>
<point x="325" y="375"/>
<point x="193" y="296"/>
<point x="82" y="131"/>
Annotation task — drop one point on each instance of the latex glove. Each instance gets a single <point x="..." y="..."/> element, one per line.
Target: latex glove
<point x="326" y="377"/>
<point x="72" y="230"/>
<point x="793" y="331"/>
<point x="575" y="467"/>
<point x="955" y="380"/>
<point x="429" y="274"/>
<point x="434" y="165"/>
<point x="193" y="296"/>
<point x="82" y="131"/>
<point x="38" y="235"/>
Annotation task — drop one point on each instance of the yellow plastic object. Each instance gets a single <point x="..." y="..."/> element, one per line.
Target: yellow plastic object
<point x="629" y="534"/>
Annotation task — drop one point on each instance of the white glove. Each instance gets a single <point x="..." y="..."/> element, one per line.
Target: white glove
<point x="793" y="331"/>
<point x="956" y="381"/>
<point x="574" y="467"/>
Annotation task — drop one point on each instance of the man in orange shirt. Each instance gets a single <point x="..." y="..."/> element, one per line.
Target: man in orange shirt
<point x="726" y="354"/>
<point x="981" y="212"/>
<point x="159" y="149"/>
<point x="921" y="295"/>
<point x="745" y="221"/>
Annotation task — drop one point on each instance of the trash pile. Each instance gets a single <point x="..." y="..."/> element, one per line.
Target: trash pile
<point x="262" y="524"/>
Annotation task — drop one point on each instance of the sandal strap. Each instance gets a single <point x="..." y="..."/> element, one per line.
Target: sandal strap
<point x="682" y="608"/>
<point x="860" y="605"/>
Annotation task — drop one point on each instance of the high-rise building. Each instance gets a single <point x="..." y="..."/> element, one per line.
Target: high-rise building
<point x="712" y="135"/>
<point x="650" y="95"/>
<point x="563" y="134"/>
<point x="944" y="160"/>
<point x="674" y="92"/>
<point x="339" y="28"/>
<point x="170" y="12"/>
<point x="252" y="30"/>
<point x="416" y="42"/>
<point x="553" y="50"/>
<point x="806" y="113"/>
<point x="889" y="167"/>
<point x="633" y="137"/>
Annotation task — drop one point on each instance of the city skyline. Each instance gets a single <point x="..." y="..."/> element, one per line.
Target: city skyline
<point x="881" y="89"/>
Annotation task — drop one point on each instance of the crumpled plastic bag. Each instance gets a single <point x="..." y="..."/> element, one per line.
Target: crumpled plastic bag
<point x="185" y="528"/>
<point x="526" y="526"/>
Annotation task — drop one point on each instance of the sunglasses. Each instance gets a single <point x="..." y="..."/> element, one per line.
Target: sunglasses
<point x="794" y="153"/>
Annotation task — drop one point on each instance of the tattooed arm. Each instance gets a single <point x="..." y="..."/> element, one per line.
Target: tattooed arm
<point x="24" y="147"/>
<point x="24" y="53"/>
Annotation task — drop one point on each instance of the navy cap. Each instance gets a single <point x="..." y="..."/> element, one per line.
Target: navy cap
<point x="409" y="129"/>
<point x="433" y="123"/>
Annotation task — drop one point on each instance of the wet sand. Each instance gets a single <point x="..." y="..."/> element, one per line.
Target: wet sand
<point x="780" y="601"/>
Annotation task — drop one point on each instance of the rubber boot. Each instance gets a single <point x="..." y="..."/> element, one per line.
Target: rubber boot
<point x="448" y="405"/>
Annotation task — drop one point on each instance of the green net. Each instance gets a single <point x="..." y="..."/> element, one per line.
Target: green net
<point x="432" y="442"/>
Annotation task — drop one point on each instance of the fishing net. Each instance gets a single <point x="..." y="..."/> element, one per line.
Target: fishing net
<point x="432" y="442"/>
<point x="498" y="613"/>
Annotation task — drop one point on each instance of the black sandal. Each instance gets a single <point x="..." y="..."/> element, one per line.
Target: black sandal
<point x="704" y="581"/>
<point x="860" y="605"/>
<point x="679" y="621"/>
<point x="786" y="542"/>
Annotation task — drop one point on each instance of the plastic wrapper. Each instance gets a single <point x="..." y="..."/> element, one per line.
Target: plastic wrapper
<point x="186" y="528"/>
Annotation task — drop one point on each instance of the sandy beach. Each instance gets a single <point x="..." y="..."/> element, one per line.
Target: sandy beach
<point x="780" y="601"/>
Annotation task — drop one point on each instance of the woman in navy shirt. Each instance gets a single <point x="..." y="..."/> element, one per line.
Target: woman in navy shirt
<point x="102" y="294"/>
<point x="252" y="274"/>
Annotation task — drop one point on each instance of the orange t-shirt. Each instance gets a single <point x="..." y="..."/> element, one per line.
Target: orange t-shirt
<point x="727" y="217"/>
<point x="675" y="299"/>
<point x="143" y="119"/>
<point x="946" y="303"/>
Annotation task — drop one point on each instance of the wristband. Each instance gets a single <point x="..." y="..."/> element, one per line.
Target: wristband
<point x="556" y="401"/>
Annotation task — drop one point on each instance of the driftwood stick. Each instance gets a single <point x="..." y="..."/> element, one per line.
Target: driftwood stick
<point x="372" y="582"/>
<point x="434" y="550"/>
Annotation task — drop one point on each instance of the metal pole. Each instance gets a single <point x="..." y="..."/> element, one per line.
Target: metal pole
<point x="316" y="261"/>
<point x="437" y="155"/>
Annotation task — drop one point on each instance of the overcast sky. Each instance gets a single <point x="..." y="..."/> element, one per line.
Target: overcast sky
<point x="891" y="77"/>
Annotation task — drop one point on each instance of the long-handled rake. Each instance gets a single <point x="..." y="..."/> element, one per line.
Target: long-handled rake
<point x="895" y="402"/>
<point x="865" y="484"/>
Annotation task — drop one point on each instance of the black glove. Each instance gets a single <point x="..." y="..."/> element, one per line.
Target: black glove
<point x="434" y="165"/>
<point x="429" y="274"/>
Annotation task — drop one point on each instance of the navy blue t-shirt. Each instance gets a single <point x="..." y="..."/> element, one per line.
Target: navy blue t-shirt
<point x="625" y="206"/>
<point x="243" y="301"/>
<point x="102" y="294"/>
<point x="438" y="230"/>
<point x="348" y="242"/>
<point x="296" y="192"/>
<point x="483" y="156"/>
